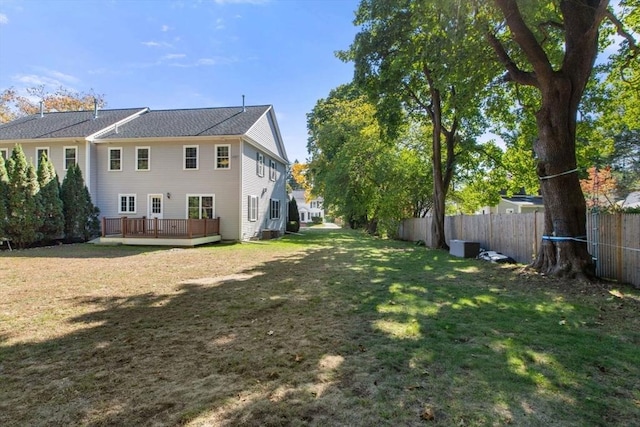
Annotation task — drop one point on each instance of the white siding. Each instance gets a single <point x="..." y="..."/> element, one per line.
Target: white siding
<point x="265" y="189"/>
<point x="167" y="176"/>
<point x="56" y="153"/>
<point x="264" y="132"/>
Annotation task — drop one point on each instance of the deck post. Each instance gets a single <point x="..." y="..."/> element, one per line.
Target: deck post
<point x="104" y="226"/>
<point x="189" y="228"/>
<point x="123" y="226"/>
<point x="155" y="226"/>
<point x="205" y="227"/>
<point x="144" y="224"/>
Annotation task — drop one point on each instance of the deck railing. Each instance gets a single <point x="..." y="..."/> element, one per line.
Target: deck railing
<point x="160" y="228"/>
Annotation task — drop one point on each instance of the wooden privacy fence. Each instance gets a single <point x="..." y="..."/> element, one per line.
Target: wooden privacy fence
<point x="613" y="239"/>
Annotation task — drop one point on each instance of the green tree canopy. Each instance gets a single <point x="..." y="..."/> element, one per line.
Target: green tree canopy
<point x="52" y="213"/>
<point x="23" y="204"/>
<point x="80" y="215"/>
<point x="424" y="58"/>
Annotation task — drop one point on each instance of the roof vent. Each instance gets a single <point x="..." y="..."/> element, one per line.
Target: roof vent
<point x="243" y="107"/>
<point x="95" y="108"/>
<point x="41" y="108"/>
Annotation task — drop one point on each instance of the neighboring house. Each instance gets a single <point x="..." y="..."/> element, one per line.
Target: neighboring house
<point x="515" y="204"/>
<point x="631" y="201"/>
<point x="228" y="163"/>
<point x="308" y="209"/>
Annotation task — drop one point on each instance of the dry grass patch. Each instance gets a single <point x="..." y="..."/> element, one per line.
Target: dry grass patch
<point x="329" y="328"/>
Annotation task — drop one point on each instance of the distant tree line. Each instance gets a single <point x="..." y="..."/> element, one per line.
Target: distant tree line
<point x="36" y="209"/>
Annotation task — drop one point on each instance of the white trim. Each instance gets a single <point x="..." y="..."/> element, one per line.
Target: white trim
<point x="259" y="164"/>
<point x="109" y="159"/>
<point x="184" y="157"/>
<point x="280" y="142"/>
<point x="128" y="196"/>
<point x="96" y="135"/>
<point x="64" y="155"/>
<point x="148" y="158"/>
<point x="273" y="169"/>
<point x="200" y="195"/>
<point x="37" y="158"/>
<point x="271" y="210"/>
<point x="87" y="165"/>
<point x="261" y="147"/>
<point x="150" y="206"/>
<point x="215" y="156"/>
<point x="252" y="214"/>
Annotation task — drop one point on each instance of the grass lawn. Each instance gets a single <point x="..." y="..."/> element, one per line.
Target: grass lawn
<point x="327" y="328"/>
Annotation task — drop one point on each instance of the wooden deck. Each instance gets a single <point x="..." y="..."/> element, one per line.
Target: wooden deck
<point x="162" y="232"/>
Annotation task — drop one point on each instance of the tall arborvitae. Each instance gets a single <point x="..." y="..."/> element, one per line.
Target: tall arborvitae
<point x="80" y="216"/>
<point x="23" y="204"/>
<point x="293" y="223"/>
<point x="52" y="215"/>
<point x="4" y="195"/>
<point x="92" y="226"/>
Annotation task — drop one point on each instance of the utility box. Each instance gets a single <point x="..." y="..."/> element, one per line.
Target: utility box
<point x="270" y="234"/>
<point x="464" y="249"/>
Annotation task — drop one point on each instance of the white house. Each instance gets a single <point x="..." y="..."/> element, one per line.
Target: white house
<point x="225" y="165"/>
<point x="515" y="204"/>
<point x="308" y="208"/>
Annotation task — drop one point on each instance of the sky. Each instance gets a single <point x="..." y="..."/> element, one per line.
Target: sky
<point x="166" y="54"/>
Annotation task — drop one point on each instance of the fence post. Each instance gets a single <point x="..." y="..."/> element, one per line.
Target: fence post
<point x="535" y="234"/>
<point x="619" y="244"/>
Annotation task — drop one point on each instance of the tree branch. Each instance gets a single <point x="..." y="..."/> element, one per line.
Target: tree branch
<point x="633" y="46"/>
<point x="525" y="39"/>
<point x="513" y="72"/>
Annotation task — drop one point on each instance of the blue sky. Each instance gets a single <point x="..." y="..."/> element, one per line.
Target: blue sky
<point x="183" y="54"/>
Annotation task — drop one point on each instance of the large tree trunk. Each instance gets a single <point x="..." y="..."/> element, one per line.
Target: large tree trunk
<point x="561" y="90"/>
<point x="565" y="209"/>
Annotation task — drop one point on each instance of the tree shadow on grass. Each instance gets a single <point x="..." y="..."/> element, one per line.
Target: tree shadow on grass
<point x="346" y="332"/>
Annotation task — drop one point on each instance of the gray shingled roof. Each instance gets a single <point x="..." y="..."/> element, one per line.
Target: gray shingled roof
<point x="191" y="122"/>
<point x="70" y="124"/>
<point x="160" y="123"/>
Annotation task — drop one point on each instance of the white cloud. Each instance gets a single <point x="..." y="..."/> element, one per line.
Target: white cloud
<point x="219" y="24"/>
<point x="3" y="19"/>
<point x="165" y="28"/>
<point x="174" y="56"/>
<point x="61" y="76"/>
<point x="156" y="44"/>
<point x="37" y="80"/>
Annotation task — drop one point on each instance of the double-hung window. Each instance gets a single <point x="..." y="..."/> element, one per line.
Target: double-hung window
<point x="127" y="203"/>
<point x="115" y="159"/>
<point x="200" y="206"/>
<point x="272" y="171"/>
<point x="4" y="153"/>
<point x="260" y="164"/>
<point x="70" y="157"/>
<point x="40" y="151"/>
<point x="223" y="156"/>
<point x="143" y="158"/>
<point x="253" y="208"/>
<point x="190" y="157"/>
<point x="274" y="209"/>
